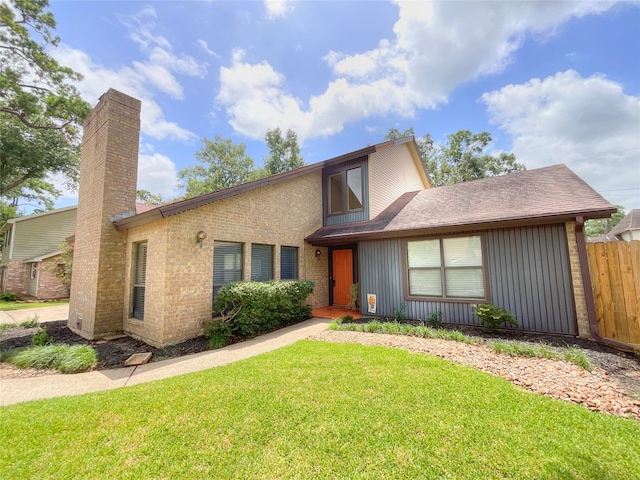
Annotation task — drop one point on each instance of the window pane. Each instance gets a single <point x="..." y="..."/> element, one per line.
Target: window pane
<point x="464" y="282"/>
<point x="462" y="252"/>
<point x="424" y="253"/>
<point x="288" y="263"/>
<point x="261" y="263"/>
<point x="139" y="280"/>
<point x="425" y="283"/>
<point x="335" y="193"/>
<point x="227" y="263"/>
<point x="354" y="187"/>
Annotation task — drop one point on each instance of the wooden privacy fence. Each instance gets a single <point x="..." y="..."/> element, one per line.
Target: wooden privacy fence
<point x="615" y="275"/>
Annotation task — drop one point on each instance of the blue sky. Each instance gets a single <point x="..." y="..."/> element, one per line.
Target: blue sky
<point x="554" y="82"/>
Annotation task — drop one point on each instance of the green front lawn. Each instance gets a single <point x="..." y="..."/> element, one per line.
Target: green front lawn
<point x="318" y="410"/>
<point x="22" y="305"/>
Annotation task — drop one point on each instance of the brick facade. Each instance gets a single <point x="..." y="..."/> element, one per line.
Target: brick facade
<point x="49" y="285"/>
<point x="576" y="280"/>
<point x="16" y="277"/>
<point x="179" y="274"/>
<point x="108" y="178"/>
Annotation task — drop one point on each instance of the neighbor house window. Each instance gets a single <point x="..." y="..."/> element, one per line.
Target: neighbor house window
<point x="345" y="191"/>
<point x="446" y="268"/>
<point x="261" y="263"/>
<point x="227" y="264"/>
<point x="139" y="278"/>
<point x="288" y="263"/>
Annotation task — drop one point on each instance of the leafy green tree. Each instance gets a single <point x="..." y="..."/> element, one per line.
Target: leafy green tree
<point x="284" y="151"/>
<point x="146" y="196"/>
<point x="224" y="164"/>
<point x="461" y="159"/>
<point x="602" y="226"/>
<point x="40" y="109"/>
<point x="35" y="88"/>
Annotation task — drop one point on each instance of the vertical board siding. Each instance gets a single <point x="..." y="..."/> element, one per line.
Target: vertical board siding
<point x="528" y="271"/>
<point x="346" y="217"/>
<point x="615" y="275"/>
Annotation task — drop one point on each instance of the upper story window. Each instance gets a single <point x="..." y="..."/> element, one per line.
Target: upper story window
<point x="345" y="191"/>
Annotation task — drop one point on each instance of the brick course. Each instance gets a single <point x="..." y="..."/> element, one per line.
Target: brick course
<point x="576" y="280"/>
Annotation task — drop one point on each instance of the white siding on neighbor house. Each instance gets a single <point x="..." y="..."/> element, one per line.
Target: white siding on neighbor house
<point x="392" y="172"/>
<point x="630" y="235"/>
<point x="42" y="233"/>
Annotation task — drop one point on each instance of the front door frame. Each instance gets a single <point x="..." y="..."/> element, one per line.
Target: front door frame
<point x="354" y="262"/>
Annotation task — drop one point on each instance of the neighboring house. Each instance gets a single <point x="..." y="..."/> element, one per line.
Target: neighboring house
<point x="368" y="216"/>
<point x="629" y="227"/>
<point x="31" y="255"/>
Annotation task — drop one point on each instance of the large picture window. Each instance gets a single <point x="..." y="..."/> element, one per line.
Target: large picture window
<point x="227" y="264"/>
<point x="288" y="263"/>
<point x="261" y="263"/>
<point x="446" y="268"/>
<point x="345" y="191"/>
<point x="139" y="278"/>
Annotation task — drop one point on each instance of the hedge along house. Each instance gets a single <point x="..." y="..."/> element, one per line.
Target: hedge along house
<point x="153" y="275"/>
<point x="368" y="216"/>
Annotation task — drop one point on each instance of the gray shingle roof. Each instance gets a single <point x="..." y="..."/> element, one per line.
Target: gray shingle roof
<point x="548" y="193"/>
<point x="631" y="221"/>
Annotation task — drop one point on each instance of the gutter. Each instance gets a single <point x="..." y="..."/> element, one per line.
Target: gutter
<point x="588" y="291"/>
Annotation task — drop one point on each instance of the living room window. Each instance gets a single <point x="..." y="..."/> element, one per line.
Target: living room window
<point x="261" y="262"/>
<point x="288" y="263"/>
<point x="227" y="264"/>
<point x="345" y="191"/>
<point x="446" y="268"/>
<point x="139" y="278"/>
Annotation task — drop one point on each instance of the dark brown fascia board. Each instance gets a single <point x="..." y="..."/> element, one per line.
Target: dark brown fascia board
<point x="195" y="202"/>
<point x="520" y="222"/>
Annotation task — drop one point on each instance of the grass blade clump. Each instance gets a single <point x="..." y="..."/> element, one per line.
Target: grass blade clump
<point x="570" y="354"/>
<point x="65" y="358"/>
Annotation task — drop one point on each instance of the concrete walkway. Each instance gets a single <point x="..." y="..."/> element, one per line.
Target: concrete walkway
<point x="45" y="314"/>
<point x="16" y="390"/>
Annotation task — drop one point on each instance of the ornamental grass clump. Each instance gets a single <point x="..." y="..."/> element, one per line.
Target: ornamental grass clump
<point x="492" y="317"/>
<point x="64" y="358"/>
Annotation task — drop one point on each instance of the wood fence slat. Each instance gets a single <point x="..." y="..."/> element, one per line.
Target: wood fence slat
<point x="634" y="291"/>
<point x="617" y="294"/>
<point x="606" y="322"/>
<point x="595" y="284"/>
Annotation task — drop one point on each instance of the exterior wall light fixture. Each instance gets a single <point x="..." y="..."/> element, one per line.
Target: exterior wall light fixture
<point x="200" y="236"/>
<point x="318" y="253"/>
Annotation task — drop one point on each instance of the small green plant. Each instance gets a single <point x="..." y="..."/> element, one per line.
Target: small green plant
<point x="399" y="314"/>
<point x="354" y="297"/>
<point x="492" y="317"/>
<point x="31" y="322"/>
<point x="575" y="355"/>
<point x="8" y="297"/>
<point x="41" y="338"/>
<point x="434" y="319"/>
<point x="519" y="349"/>
<point x="218" y="333"/>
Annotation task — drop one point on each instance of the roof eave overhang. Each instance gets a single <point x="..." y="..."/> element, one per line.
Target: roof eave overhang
<point x="336" y="240"/>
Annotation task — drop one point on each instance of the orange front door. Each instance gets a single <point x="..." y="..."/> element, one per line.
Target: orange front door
<point x="342" y="276"/>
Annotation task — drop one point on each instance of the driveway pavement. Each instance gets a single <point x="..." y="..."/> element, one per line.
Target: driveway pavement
<point x="45" y="314"/>
<point x="16" y="390"/>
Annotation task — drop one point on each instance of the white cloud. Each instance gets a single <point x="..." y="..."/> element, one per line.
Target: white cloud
<point x="437" y="46"/>
<point x="278" y="8"/>
<point x="205" y="47"/>
<point x="589" y="124"/>
<point x="157" y="174"/>
<point x="132" y="81"/>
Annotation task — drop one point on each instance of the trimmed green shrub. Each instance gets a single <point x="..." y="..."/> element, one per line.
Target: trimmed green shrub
<point x="218" y="333"/>
<point x="434" y="319"/>
<point x="492" y="317"/>
<point x="264" y="306"/>
<point x="8" y="297"/>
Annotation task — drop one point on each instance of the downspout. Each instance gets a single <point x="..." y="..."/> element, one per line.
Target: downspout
<point x="588" y="291"/>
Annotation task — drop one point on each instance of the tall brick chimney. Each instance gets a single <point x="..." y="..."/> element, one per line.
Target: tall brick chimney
<point x="108" y="174"/>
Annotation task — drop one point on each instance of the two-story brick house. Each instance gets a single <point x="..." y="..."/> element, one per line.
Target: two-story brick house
<point x="368" y="216"/>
